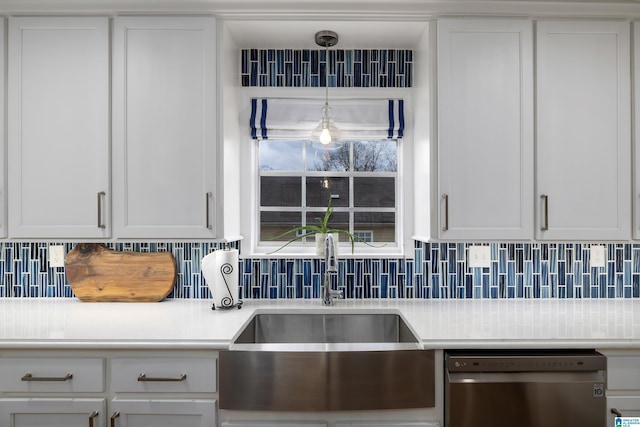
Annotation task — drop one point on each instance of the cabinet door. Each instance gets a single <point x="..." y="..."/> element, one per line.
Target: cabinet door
<point x="628" y="406"/>
<point x="274" y="424"/>
<point x="583" y="130"/>
<point x="386" y="424"/>
<point x="162" y="413"/>
<point x="26" y="412"/>
<point x="485" y="129"/>
<point x="58" y="127"/>
<point x="164" y="124"/>
<point x="636" y="102"/>
<point x="3" y="141"/>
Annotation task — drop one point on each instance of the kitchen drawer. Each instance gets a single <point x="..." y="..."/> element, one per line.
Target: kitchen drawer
<point x="166" y="374"/>
<point x="274" y="424"/>
<point x="51" y="375"/>
<point x="386" y="424"/>
<point x="623" y="372"/>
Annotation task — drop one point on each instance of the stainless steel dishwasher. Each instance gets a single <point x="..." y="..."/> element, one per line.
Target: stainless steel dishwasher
<point x="525" y="389"/>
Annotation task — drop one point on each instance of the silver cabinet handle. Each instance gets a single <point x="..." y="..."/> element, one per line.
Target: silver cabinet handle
<point x="29" y="377"/>
<point x="113" y="418"/>
<point x="91" y="417"/>
<point x="101" y="195"/>
<point x="545" y="223"/>
<point x="615" y="412"/>
<point x="445" y="197"/>
<point x="207" y="198"/>
<point x="144" y="377"/>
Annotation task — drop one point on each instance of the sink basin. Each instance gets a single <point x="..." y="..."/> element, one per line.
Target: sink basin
<point x="327" y="332"/>
<point x="326" y="361"/>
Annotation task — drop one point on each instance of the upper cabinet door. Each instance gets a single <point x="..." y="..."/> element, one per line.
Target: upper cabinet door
<point x="3" y="140"/>
<point x="636" y="101"/>
<point x="164" y="127"/>
<point x="58" y="127"/>
<point x="583" y="131"/>
<point x="485" y="128"/>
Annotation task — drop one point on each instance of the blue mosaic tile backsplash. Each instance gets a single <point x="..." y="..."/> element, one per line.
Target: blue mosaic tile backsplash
<point x="438" y="271"/>
<point x="308" y="68"/>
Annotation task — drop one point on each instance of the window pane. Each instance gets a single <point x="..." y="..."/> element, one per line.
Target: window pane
<point x="374" y="192"/>
<point x="280" y="191"/>
<point x="339" y="220"/>
<point x="273" y="224"/>
<point x="280" y="155"/>
<point x="319" y="159"/>
<point x="375" y="156"/>
<point x="380" y="226"/>
<point x="320" y="189"/>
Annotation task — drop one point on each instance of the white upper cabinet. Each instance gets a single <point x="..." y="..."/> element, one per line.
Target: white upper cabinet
<point x="636" y="101"/>
<point x="583" y="170"/>
<point x="58" y="127"/>
<point x="3" y="141"/>
<point x="164" y="127"/>
<point x="485" y="129"/>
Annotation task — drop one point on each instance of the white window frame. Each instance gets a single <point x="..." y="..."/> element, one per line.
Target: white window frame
<point x="250" y="222"/>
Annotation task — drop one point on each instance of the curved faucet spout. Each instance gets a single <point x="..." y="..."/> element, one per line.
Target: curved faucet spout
<point x="331" y="264"/>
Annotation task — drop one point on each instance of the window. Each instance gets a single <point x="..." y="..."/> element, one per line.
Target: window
<point x="368" y="179"/>
<point x="297" y="179"/>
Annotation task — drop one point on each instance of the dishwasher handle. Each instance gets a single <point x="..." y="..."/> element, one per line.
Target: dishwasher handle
<point x="597" y="377"/>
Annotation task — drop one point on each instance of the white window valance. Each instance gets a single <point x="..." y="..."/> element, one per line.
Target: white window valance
<point x="362" y="119"/>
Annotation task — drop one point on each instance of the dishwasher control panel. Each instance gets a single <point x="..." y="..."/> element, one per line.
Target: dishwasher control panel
<point x="525" y="361"/>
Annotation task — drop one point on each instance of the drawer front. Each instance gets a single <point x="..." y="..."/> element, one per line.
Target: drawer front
<point x="166" y="374"/>
<point x="51" y="375"/>
<point x="623" y="372"/>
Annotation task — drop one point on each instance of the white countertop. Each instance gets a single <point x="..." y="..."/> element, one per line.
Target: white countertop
<point x="69" y="323"/>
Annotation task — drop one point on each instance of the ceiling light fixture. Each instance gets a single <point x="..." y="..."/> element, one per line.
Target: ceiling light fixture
<point x="327" y="133"/>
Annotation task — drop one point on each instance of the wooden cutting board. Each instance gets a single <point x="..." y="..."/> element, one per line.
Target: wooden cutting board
<point x="97" y="273"/>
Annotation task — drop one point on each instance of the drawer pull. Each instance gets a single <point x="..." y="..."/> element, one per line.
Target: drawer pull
<point x="29" y="377"/>
<point x="91" y="417"/>
<point x="615" y="412"/>
<point x="144" y="377"/>
<point x="113" y="418"/>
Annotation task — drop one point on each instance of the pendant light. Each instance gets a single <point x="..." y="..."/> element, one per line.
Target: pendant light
<point x="326" y="132"/>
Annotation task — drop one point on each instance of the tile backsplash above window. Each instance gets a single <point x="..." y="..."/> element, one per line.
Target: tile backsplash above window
<point x="347" y="68"/>
<point x="437" y="271"/>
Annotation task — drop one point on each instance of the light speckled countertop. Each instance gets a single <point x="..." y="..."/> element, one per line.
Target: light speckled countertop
<point x="441" y="324"/>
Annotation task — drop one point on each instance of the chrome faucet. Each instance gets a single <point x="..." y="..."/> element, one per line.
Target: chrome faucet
<point x="331" y="263"/>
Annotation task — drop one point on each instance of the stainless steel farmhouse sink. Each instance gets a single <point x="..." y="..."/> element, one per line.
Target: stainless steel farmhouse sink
<point x="323" y="361"/>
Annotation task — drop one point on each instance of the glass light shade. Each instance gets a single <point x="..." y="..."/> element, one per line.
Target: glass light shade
<point x="326" y="132"/>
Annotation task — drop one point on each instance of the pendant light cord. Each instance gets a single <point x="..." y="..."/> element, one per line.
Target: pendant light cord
<point x="326" y="83"/>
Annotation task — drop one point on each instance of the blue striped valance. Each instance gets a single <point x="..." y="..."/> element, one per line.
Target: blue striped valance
<point x="357" y="119"/>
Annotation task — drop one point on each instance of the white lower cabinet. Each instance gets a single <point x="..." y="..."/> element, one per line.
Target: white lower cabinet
<point x="623" y="384"/>
<point x="163" y="376"/>
<point x="274" y="424"/>
<point x="628" y="406"/>
<point x="162" y="413"/>
<point x="114" y="389"/>
<point x="336" y="424"/>
<point x="52" y="412"/>
<point x="387" y="424"/>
